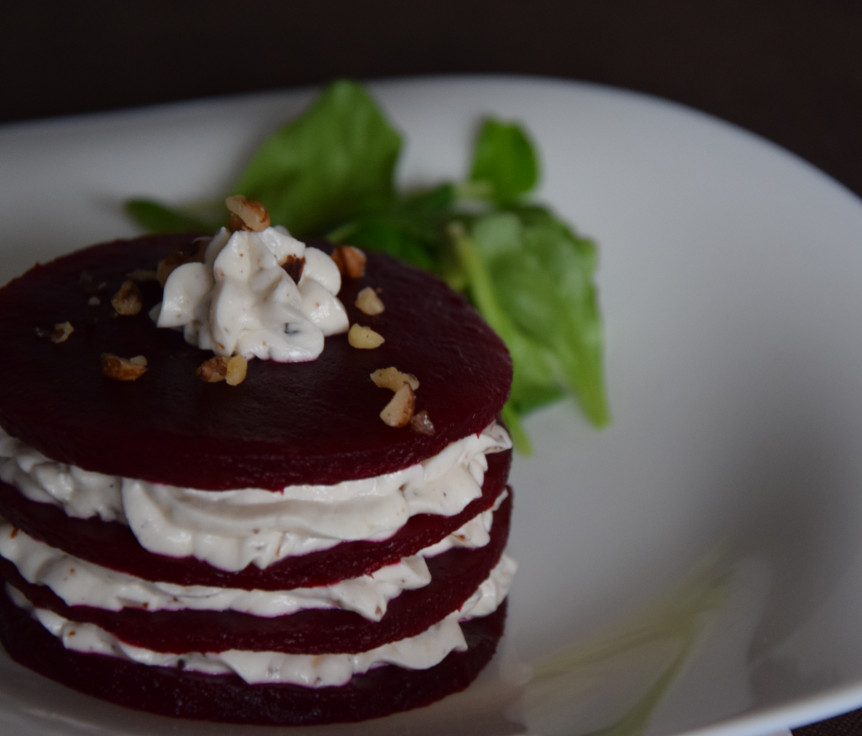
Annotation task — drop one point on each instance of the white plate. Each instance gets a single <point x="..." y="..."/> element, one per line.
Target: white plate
<point x="696" y="568"/>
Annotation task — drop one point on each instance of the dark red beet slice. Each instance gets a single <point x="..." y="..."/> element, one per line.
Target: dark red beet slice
<point x="226" y="698"/>
<point x="454" y="576"/>
<point x="112" y="544"/>
<point x="295" y="423"/>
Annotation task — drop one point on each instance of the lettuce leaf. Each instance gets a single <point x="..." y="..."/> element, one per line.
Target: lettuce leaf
<point x="333" y="163"/>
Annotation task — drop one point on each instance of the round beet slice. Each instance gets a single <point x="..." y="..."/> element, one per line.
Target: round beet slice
<point x="226" y="698"/>
<point x="287" y="423"/>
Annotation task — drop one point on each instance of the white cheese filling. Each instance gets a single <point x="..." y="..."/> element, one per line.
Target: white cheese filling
<point x="233" y="529"/>
<point x="78" y="582"/>
<point x="419" y="652"/>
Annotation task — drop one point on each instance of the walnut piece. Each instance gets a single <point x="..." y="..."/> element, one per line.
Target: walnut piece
<point x="60" y="333"/>
<point x="401" y="407"/>
<point x="167" y="266"/>
<point x="127" y="301"/>
<point x="212" y="370"/>
<point x="368" y="301"/>
<point x="350" y="261"/>
<point x="399" y="411"/>
<point x="421" y="423"/>
<point x="393" y="379"/>
<point x="237" y="366"/>
<point x="246" y="214"/>
<point x="364" y="338"/>
<point x="123" y="369"/>
<point x="178" y="258"/>
<point x="230" y="370"/>
<point x="294" y="266"/>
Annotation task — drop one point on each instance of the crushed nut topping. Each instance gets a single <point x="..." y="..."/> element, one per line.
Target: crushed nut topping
<point x="399" y="411"/>
<point x="237" y="366"/>
<point x="368" y="302"/>
<point x="127" y="301"/>
<point x="177" y="258"/>
<point x="350" y="261"/>
<point x="212" y="370"/>
<point x="393" y="379"/>
<point x="421" y="423"/>
<point x="123" y="369"/>
<point x="168" y="264"/>
<point x="230" y="370"/>
<point x="364" y="338"/>
<point x="246" y="214"/>
<point x="294" y="266"/>
<point x="60" y="333"/>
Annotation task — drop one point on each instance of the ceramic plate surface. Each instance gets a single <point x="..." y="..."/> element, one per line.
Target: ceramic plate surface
<point x="694" y="569"/>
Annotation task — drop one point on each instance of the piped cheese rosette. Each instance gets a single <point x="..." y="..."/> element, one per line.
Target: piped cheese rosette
<point x="243" y="299"/>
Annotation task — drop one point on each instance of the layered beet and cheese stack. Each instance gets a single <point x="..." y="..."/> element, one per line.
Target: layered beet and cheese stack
<point x="218" y="502"/>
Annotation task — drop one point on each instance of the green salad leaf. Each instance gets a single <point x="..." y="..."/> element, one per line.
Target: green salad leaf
<point x="505" y="161"/>
<point x="156" y="217"/>
<point x="333" y="163"/>
<point x="330" y="172"/>
<point x="539" y="276"/>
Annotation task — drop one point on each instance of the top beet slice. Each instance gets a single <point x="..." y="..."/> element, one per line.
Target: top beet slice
<point x="288" y="423"/>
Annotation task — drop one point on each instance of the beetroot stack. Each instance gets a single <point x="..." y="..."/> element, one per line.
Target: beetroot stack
<point x="269" y="552"/>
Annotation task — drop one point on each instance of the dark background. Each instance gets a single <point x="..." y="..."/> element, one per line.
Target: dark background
<point x="790" y="70"/>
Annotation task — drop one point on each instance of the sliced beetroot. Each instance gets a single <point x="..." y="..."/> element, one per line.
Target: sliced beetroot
<point x="113" y="545"/>
<point x="226" y="698"/>
<point x="313" y="422"/>
<point x="455" y="575"/>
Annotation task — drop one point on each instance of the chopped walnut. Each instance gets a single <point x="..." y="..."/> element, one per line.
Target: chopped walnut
<point x="123" y="369"/>
<point x="177" y="258"/>
<point x="399" y="411"/>
<point x="393" y="379"/>
<point x="230" y="370"/>
<point x="421" y="423"/>
<point x="368" y="301"/>
<point x="212" y="370"/>
<point x="246" y="214"/>
<point x="364" y="338"/>
<point x="237" y="366"/>
<point x="127" y="301"/>
<point x="294" y="265"/>
<point x="167" y="266"/>
<point x="350" y="261"/>
<point x="60" y="333"/>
